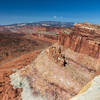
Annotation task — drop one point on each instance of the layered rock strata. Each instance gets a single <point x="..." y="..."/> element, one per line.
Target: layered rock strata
<point x="62" y="70"/>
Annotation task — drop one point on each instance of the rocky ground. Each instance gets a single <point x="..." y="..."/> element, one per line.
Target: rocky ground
<point x="13" y="45"/>
<point x="62" y="70"/>
<point x="59" y="72"/>
<point x="17" y="51"/>
<point x="7" y="92"/>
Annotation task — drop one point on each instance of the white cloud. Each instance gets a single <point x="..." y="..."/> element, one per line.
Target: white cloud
<point x="54" y="17"/>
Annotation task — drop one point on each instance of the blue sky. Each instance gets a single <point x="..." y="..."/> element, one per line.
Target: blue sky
<point x="20" y="11"/>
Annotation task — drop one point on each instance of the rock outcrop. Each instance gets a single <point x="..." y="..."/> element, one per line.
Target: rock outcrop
<point x="62" y="70"/>
<point x="86" y="44"/>
<point x="91" y="91"/>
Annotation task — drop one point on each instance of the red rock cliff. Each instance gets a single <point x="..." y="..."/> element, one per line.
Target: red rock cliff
<point x="83" y="41"/>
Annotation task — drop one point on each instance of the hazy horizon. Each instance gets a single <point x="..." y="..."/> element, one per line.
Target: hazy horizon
<point x="26" y="11"/>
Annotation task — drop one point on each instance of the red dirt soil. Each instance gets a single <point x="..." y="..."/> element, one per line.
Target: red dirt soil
<point x="6" y="90"/>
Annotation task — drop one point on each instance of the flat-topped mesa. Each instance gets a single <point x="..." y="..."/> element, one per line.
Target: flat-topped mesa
<point x="89" y="26"/>
<point x="85" y="43"/>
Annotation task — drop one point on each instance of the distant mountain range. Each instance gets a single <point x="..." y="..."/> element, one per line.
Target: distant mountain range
<point x="45" y="23"/>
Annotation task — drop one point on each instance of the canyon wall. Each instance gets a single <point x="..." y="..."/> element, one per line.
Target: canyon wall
<point x="85" y="43"/>
<point x="60" y="71"/>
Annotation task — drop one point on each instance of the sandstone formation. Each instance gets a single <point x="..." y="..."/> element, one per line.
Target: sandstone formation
<point x="7" y="92"/>
<point x="16" y="51"/>
<point x="85" y="44"/>
<point x="62" y="70"/>
<point x="91" y="91"/>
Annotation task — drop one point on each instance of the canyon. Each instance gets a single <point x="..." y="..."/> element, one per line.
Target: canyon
<point x="62" y="65"/>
